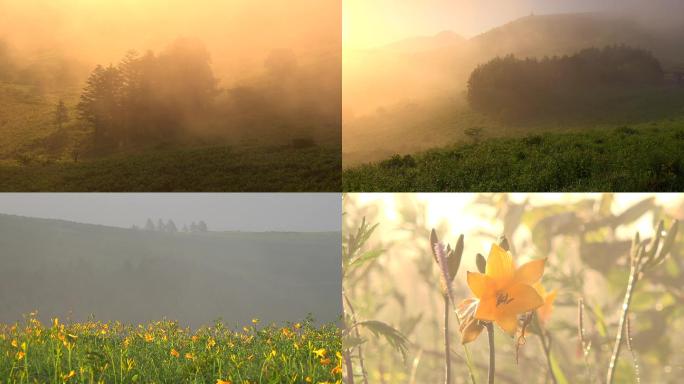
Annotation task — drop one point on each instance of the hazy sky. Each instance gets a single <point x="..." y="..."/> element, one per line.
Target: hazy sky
<point x="374" y="23"/>
<point x="222" y="212"/>
<point x="238" y="33"/>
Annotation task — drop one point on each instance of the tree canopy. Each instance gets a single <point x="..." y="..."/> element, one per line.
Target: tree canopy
<point x="150" y="97"/>
<point x="513" y="89"/>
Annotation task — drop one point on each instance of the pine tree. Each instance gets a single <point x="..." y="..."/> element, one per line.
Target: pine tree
<point x="149" y="225"/>
<point x="61" y="114"/>
<point x="171" y="226"/>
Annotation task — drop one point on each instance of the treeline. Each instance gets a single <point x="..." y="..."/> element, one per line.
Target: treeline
<point x="170" y="227"/>
<point x="148" y="98"/>
<point x="516" y="89"/>
<point x="174" y="95"/>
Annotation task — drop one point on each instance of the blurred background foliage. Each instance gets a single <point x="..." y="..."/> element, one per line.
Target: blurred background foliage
<point x="393" y="303"/>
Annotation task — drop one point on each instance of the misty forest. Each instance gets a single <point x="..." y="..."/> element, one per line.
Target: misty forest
<point x="591" y="101"/>
<point x="101" y="112"/>
<point x="97" y="304"/>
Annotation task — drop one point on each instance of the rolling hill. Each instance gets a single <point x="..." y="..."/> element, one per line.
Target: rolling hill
<point x="72" y="270"/>
<point x="410" y="100"/>
<point x="413" y="69"/>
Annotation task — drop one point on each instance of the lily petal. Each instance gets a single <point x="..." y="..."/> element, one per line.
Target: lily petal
<point x="499" y="264"/>
<point x="478" y="283"/>
<point x="530" y="273"/>
<point x="523" y="297"/>
<point x="508" y="322"/>
<point x="471" y="331"/>
<point x="486" y="310"/>
<point x="545" y="310"/>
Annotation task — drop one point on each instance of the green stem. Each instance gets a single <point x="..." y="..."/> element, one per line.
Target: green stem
<point x="358" y="336"/>
<point x="546" y="346"/>
<point x="469" y="360"/>
<point x="350" y="368"/>
<point x="447" y="348"/>
<point x="621" y="327"/>
<point x="492" y="353"/>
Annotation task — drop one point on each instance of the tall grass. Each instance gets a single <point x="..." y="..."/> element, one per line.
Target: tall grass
<point x="619" y="159"/>
<point x="164" y="352"/>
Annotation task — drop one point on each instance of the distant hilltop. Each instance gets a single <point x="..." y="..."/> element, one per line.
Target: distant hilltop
<point x="69" y="269"/>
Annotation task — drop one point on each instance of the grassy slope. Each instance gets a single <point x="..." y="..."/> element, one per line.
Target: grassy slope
<point x="644" y="157"/>
<point x="434" y="123"/>
<point x="27" y="121"/>
<point x="27" y="129"/>
<point x="200" y="169"/>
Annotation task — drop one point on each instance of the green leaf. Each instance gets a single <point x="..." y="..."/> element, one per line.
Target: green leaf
<point x="601" y="320"/>
<point x="557" y="371"/>
<point x="667" y="243"/>
<point x="366" y="257"/>
<point x="350" y="342"/>
<point x="395" y="338"/>
<point x="634" y="212"/>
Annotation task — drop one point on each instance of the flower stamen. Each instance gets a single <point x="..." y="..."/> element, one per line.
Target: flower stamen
<point x="503" y="298"/>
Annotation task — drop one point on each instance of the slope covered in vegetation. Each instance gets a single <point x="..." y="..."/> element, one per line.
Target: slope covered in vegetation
<point x="645" y="157"/>
<point x="275" y="168"/>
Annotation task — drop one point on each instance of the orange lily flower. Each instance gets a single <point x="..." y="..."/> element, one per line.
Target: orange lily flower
<point x="544" y="312"/>
<point x="503" y="291"/>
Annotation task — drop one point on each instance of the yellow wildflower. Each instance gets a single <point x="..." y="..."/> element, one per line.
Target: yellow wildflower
<point x="544" y="312"/>
<point x="503" y="291"/>
<point x="69" y="375"/>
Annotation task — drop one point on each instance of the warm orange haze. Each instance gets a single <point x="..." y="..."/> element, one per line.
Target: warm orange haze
<point x="239" y="34"/>
<point x="517" y="288"/>
<point x="435" y="91"/>
<point x="243" y="85"/>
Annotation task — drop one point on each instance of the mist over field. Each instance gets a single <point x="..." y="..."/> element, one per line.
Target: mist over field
<point x="84" y="80"/>
<point x="445" y="89"/>
<point x="186" y="268"/>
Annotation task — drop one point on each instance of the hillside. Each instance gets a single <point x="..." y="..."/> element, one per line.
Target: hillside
<point x="644" y="157"/>
<point x="433" y="66"/>
<point x="220" y="168"/>
<point x="413" y="100"/>
<point x="72" y="270"/>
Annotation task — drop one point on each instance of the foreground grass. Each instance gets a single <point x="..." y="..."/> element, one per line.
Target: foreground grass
<point x="162" y="352"/>
<point x="649" y="158"/>
<point x="221" y="169"/>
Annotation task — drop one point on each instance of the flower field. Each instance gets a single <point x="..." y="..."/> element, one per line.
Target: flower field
<point x="164" y="352"/>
